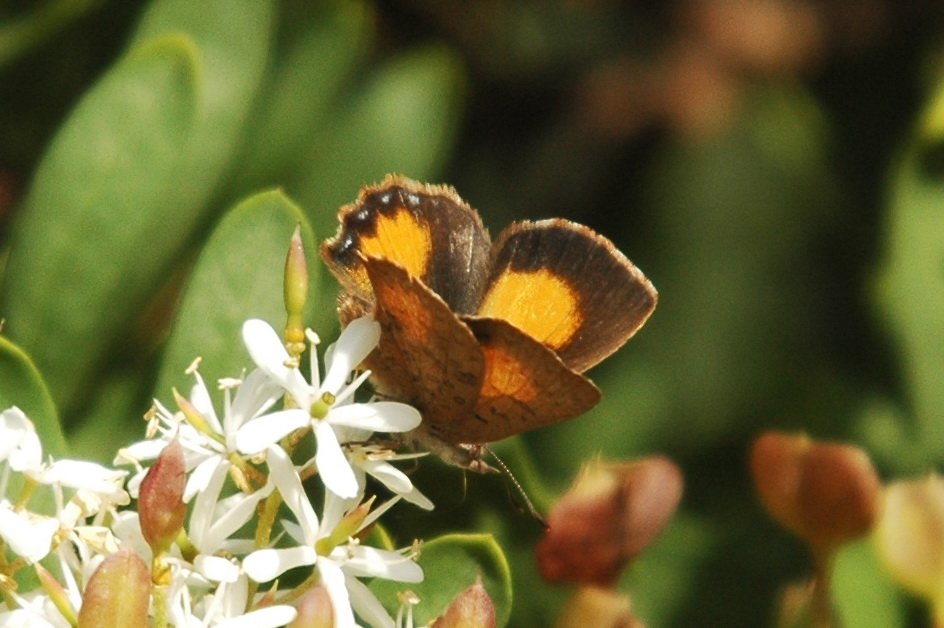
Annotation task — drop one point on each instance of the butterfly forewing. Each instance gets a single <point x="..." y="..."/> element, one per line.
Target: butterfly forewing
<point x="426" y="229"/>
<point x="568" y="287"/>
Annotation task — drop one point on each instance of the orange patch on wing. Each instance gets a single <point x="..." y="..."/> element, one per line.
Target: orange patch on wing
<point x="400" y="237"/>
<point x="506" y="376"/>
<point x="539" y="303"/>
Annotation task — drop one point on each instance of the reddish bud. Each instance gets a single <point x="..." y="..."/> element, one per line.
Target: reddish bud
<point x="315" y="610"/>
<point x="825" y="493"/>
<point x="607" y="518"/>
<point x="601" y="608"/>
<point x="117" y="594"/>
<point x="160" y="502"/>
<point x="473" y="608"/>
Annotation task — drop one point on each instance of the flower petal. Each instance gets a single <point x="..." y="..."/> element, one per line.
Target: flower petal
<point x="397" y="481"/>
<point x="366" y="604"/>
<point x="267" y="351"/>
<point x="267" y="564"/>
<point x="333" y="467"/>
<point x="28" y="537"/>
<point x="379" y="416"/>
<point x="355" y="343"/>
<point x="261" y="432"/>
<point x="282" y="473"/>
<point x="334" y="582"/>
<point x="216" y="568"/>
<point x="268" y="617"/>
<point x="366" y="561"/>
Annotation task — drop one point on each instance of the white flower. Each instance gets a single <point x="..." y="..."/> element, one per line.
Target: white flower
<point x="28" y="535"/>
<point x="19" y="443"/>
<point x="223" y="607"/>
<point x="374" y="461"/>
<point x="339" y="562"/>
<point x="326" y="405"/>
<point x="208" y="442"/>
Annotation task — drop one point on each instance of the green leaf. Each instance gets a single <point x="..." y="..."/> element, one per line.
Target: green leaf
<point x="321" y="49"/>
<point x="451" y="563"/>
<point x="910" y="286"/>
<point x="91" y="227"/>
<point x="21" y="34"/>
<point x="232" y="38"/>
<point x="21" y="385"/>
<point x="403" y="120"/>
<point x="863" y="594"/>
<point x="126" y="183"/>
<point x="239" y="275"/>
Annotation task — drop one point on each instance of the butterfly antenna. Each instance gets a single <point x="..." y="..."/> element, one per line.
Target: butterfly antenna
<point x="524" y="495"/>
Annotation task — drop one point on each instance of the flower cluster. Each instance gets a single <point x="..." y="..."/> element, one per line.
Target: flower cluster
<point x="236" y="472"/>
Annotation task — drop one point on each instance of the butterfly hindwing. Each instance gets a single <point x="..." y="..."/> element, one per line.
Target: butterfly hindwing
<point x="426" y="357"/>
<point x="524" y="385"/>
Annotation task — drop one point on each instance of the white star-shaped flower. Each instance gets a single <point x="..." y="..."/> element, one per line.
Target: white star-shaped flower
<point x="339" y="562"/>
<point x="325" y="406"/>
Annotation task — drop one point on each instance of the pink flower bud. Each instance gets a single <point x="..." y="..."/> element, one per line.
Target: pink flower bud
<point x="825" y="493"/>
<point x="609" y="516"/>
<point x="160" y="502"/>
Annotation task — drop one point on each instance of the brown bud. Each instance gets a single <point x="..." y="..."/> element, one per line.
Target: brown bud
<point x="609" y="516"/>
<point x="117" y="594"/>
<point x="160" y="502"/>
<point x="601" y="608"/>
<point x="473" y="608"/>
<point x="315" y="610"/>
<point x="825" y="493"/>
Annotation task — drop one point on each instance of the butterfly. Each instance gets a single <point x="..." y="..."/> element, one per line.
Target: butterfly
<point x="486" y="339"/>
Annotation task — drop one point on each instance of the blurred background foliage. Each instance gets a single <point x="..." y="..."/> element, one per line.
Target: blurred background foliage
<point x="774" y="166"/>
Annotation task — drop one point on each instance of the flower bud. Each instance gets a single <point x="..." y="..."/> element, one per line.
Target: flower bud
<point x="295" y="293"/>
<point x="117" y="594"/>
<point x="607" y="518"/>
<point x="315" y="610"/>
<point x="825" y="493"/>
<point x="909" y="536"/>
<point x="160" y="501"/>
<point x="473" y="608"/>
<point x="56" y="593"/>
<point x="601" y="608"/>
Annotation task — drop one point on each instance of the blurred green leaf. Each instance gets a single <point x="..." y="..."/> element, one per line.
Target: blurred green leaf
<point x="21" y="385"/>
<point x="666" y="575"/>
<point x="126" y="182"/>
<point x="239" y="275"/>
<point x="736" y="214"/>
<point x="403" y="119"/>
<point x="319" y="52"/>
<point x="232" y="38"/>
<point x="451" y="563"/>
<point x="92" y="225"/>
<point x="114" y="418"/>
<point x="20" y="35"/>
<point x="910" y="287"/>
<point x="863" y="594"/>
